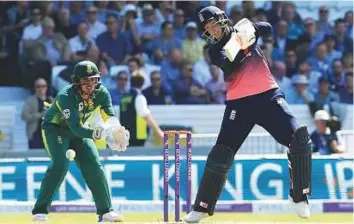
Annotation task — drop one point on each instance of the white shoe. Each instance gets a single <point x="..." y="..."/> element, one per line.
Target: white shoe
<point x="40" y="218"/>
<point x="111" y="217"/>
<point x="195" y="217"/>
<point x="301" y="208"/>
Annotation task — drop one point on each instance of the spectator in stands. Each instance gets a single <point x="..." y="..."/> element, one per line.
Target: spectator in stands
<point x="156" y="94"/>
<point x="34" y="30"/>
<point x="121" y="88"/>
<point x="164" y="12"/>
<point x="81" y="42"/>
<point x="337" y="76"/>
<point x="319" y="62"/>
<point x="311" y="31"/>
<point x="279" y="73"/>
<point x="50" y="46"/>
<point x="96" y="27"/>
<point x="8" y="53"/>
<point x="294" y="27"/>
<point x="322" y="25"/>
<point x="302" y="47"/>
<point x="17" y="17"/>
<point x="291" y="63"/>
<point x="332" y="53"/>
<point x="347" y="61"/>
<point x="324" y="141"/>
<point x="106" y="78"/>
<point x="63" y="23"/>
<point x="260" y="16"/>
<point x="76" y="13"/>
<point x="274" y="13"/>
<point x="249" y="10"/>
<point x="103" y="11"/>
<point x="192" y="46"/>
<point x="312" y="76"/>
<point x="190" y="9"/>
<point x="281" y="41"/>
<point x="268" y="51"/>
<point x="33" y="111"/>
<point x="349" y="22"/>
<point x="343" y="42"/>
<point x="325" y="96"/>
<point x="274" y="54"/>
<point x="201" y="70"/>
<point x="162" y="44"/>
<point x="135" y="67"/>
<point x="216" y="87"/>
<point x="115" y="47"/>
<point x="346" y="92"/>
<point x="178" y="25"/>
<point x="93" y="54"/>
<point x="129" y="25"/>
<point x="186" y="89"/>
<point x="148" y="29"/>
<point x="236" y="14"/>
<point x="300" y="93"/>
<point x="116" y="7"/>
<point x="170" y="69"/>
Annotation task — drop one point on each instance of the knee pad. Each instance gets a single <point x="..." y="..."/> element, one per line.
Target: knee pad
<point x="301" y="141"/>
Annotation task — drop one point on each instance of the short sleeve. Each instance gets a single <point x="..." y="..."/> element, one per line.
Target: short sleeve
<point x="141" y="106"/>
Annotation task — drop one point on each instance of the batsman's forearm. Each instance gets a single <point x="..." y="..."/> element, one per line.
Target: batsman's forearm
<point x="152" y="123"/>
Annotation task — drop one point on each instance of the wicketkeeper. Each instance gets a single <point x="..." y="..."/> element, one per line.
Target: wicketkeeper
<point x="253" y="97"/>
<point x="63" y="129"/>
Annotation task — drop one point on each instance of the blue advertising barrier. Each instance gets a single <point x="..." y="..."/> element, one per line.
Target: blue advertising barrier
<point x="141" y="178"/>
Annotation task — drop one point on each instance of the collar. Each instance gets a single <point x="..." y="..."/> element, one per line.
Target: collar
<point x="136" y="89"/>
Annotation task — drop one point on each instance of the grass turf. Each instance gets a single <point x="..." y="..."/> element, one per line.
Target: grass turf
<point x="239" y="218"/>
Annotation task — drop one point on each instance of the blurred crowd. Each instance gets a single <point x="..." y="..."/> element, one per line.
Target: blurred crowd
<point x="312" y="60"/>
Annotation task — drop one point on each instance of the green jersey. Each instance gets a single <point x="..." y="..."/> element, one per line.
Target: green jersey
<point x="70" y="111"/>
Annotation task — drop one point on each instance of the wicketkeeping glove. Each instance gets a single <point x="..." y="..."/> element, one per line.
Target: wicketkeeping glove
<point x="116" y="136"/>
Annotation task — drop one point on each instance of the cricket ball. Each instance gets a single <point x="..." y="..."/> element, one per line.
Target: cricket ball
<point x="70" y="154"/>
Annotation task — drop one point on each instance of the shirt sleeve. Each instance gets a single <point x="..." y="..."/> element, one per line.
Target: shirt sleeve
<point x="25" y="34"/>
<point x="141" y="106"/>
<point x="106" y="107"/>
<point x="71" y="114"/>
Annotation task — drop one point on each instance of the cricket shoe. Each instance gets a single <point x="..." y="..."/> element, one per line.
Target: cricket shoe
<point x="40" y="218"/>
<point x="195" y="217"/>
<point x="301" y="208"/>
<point x="110" y="217"/>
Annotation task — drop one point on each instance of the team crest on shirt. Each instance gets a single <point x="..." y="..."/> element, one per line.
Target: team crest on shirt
<point x="81" y="106"/>
<point x="66" y="113"/>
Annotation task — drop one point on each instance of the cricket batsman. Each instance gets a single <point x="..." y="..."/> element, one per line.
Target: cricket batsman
<point x="253" y="97"/>
<point x="63" y="129"/>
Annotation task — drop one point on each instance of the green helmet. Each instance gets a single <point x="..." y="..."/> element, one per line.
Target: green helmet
<point x="85" y="69"/>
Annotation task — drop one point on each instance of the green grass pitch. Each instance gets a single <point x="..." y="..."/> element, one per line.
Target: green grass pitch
<point x="238" y="218"/>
